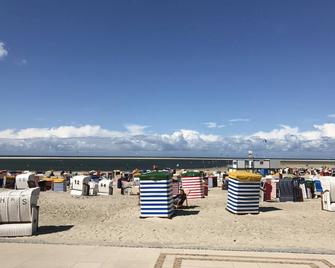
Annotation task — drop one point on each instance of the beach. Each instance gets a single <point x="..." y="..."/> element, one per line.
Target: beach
<point x="205" y="224"/>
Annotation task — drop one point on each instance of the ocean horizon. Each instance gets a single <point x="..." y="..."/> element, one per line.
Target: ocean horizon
<point x="86" y="163"/>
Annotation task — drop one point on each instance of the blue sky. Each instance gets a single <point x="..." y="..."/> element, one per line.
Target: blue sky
<point x="145" y="70"/>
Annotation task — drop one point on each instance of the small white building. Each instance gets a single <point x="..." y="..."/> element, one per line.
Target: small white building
<point x="261" y="164"/>
<point x="256" y="164"/>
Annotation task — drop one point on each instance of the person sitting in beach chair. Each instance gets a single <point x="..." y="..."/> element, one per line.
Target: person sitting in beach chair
<point x="180" y="199"/>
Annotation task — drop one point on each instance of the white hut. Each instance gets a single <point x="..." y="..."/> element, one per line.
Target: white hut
<point x="25" y="181"/>
<point x="19" y="212"/>
<point x="79" y="185"/>
<point x="105" y="187"/>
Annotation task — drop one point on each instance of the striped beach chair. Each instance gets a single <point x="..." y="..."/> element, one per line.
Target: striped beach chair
<point x="192" y="182"/>
<point x="243" y="194"/>
<point x="156" y="199"/>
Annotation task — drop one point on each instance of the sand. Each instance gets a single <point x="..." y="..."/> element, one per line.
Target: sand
<point x="114" y="220"/>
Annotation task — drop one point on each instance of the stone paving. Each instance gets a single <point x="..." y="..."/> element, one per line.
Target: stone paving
<point x="80" y="256"/>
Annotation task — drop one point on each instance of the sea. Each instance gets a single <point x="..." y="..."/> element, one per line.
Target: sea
<point x="44" y="163"/>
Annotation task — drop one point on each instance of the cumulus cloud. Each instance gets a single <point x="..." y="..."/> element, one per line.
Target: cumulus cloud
<point x="213" y="125"/>
<point x="284" y="141"/>
<point x="61" y="132"/>
<point x="3" y="51"/>
<point x="235" y="120"/>
<point x="136" y="129"/>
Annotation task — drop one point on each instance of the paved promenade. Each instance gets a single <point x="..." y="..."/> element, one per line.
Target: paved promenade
<point x="74" y="256"/>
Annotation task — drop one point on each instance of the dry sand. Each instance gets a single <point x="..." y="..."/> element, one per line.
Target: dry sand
<point x="114" y="220"/>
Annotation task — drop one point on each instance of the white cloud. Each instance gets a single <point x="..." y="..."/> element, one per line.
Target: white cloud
<point x="61" y="132"/>
<point x="136" y="129"/>
<point x="239" y="120"/>
<point x="319" y="141"/>
<point x="213" y="125"/>
<point x="281" y="133"/>
<point x="326" y="130"/>
<point x="3" y="51"/>
<point x="210" y="124"/>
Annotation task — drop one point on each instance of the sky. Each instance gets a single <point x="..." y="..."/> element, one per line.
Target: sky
<point x="168" y="78"/>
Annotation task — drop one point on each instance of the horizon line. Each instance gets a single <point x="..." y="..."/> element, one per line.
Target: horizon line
<point x="157" y="157"/>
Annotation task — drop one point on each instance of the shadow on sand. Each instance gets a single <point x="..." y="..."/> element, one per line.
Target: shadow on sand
<point x="190" y="207"/>
<point x="182" y="212"/>
<point x="268" y="209"/>
<point x="49" y="229"/>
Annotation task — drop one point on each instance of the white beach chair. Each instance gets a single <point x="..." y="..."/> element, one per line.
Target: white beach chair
<point x="105" y="187"/>
<point x="328" y="195"/>
<point x="19" y="212"/>
<point x="25" y="181"/>
<point x="79" y="185"/>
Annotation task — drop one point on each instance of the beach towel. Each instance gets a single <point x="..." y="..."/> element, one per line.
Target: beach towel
<point x="267" y="191"/>
<point x="318" y="186"/>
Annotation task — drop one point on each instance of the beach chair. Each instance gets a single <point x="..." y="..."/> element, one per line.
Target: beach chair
<point x="326" y="203"/>
<point x="187" y="192"/>
<point x="19" y="212"/>
<point x="105" y="187"/>
<point x="79" y="185"/>
<point x="328" y="197"/>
